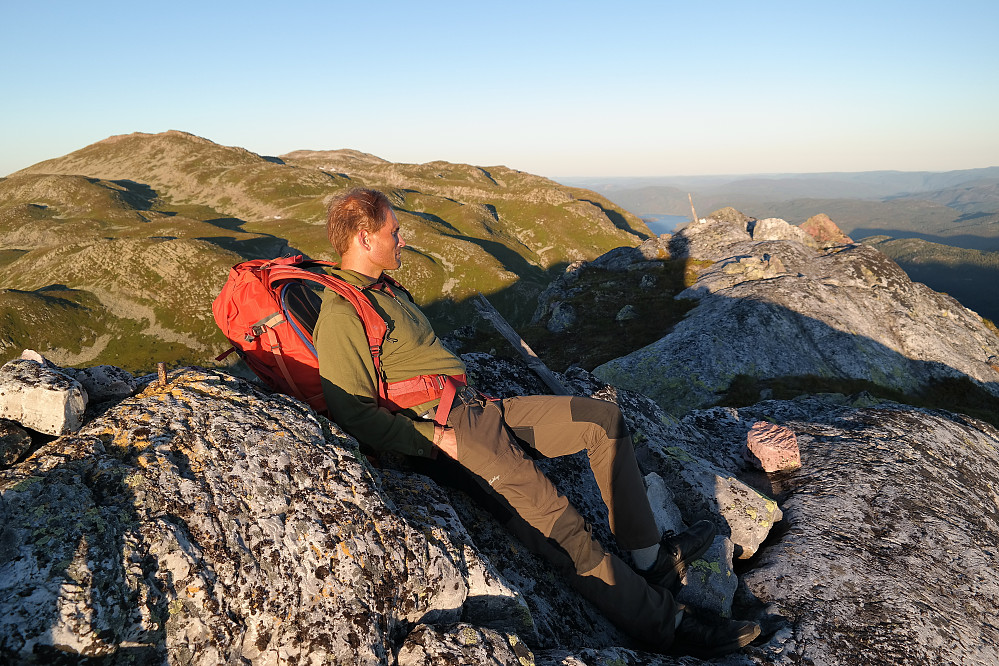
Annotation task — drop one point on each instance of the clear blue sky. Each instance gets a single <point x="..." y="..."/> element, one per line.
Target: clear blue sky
<point x="555" y="88"/>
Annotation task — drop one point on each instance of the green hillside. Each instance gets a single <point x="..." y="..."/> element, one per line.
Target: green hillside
<point x="113" y="253"/>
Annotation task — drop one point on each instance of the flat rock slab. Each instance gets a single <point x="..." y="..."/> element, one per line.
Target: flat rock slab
<point x="40" y="398"/>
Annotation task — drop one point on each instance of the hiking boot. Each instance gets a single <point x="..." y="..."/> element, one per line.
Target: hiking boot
<point x="676" y="552"/>
<point x="705" y="637"/>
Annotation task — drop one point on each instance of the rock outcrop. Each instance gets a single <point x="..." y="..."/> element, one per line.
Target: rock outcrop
<point x="824" y="230"/>
<point x="777" y="308"/>
<point x="205" y="522"/>
<point x="891" y="550"/>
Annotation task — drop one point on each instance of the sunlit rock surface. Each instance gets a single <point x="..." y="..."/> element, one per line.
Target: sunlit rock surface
<point x="778" y="307"/>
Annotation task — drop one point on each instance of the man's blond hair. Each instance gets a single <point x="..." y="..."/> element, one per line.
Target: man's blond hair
<point x="349" y="213"/>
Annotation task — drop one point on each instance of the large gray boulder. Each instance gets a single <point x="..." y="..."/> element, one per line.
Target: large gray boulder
<point x="775" y="308"/>
<point x="203" y="523"/>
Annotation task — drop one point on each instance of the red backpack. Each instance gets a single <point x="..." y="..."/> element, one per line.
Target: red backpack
<point x="268" y="311"/>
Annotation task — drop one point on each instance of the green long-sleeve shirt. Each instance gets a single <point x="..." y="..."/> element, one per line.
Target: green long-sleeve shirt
<point x="348" y="374"/>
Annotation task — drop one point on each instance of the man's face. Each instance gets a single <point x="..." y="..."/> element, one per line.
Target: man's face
<point x="385" y="245"/>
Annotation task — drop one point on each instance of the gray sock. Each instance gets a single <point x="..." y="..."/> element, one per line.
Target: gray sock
<point x="645" y="557"/>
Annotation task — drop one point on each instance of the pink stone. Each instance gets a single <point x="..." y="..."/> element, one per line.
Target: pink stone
<point x="772" y="447"/>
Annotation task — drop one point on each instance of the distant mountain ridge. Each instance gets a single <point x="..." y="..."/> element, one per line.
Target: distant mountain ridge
<point x="830" y="184"/>
<point x="130" y="238"/>
<point x="958" y="208"/>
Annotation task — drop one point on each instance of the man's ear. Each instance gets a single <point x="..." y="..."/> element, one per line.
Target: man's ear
<point x="362" y="239"/>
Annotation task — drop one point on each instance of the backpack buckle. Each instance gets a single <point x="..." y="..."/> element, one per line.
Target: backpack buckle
<point x="270" y="321"/>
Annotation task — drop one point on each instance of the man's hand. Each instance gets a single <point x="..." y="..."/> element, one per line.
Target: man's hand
<point x="446" y="441"/>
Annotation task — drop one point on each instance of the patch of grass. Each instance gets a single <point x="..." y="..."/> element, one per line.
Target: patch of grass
<point x="951" y="394"/>
<point x="8" y="257"/>
<point x="71" y="321"/>
<point x="989" y="324"/>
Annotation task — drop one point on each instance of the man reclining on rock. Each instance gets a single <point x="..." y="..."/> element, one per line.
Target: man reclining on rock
<point x="488" y="438"/>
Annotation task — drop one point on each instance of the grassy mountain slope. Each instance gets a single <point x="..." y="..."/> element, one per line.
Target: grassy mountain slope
<point x="137" y="234"/>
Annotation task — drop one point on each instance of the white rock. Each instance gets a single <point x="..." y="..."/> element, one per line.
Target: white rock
<point x="32" y="355"/>
<point x="40" y="398"/>
<point x="667" y="514"/>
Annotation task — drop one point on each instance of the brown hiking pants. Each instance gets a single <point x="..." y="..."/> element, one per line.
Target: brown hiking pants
<point x="488" y="434"/>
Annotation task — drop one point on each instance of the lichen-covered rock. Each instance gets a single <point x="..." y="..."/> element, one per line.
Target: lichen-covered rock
<point x="562" y="318"/>
<point x="101" y="382"/>
<point x="40" y="398"/>
<point x="463" y="644"/>
<point x="622" y="258"/>
<point x="627" y="313"/>
<point x="709" y="238"/>
<point x="617" y="656"/>
<point x="710" y="582"/>
<point x="773" y="228"/>
<point x="14" y="441"/>
<point x="891" y="555"/>
<point x="204" y="522"/>
<point x="743" y="514"/>
<point x="484" y="598"/>
<point x="104" y="382"/>
<point x="776" y="308"/>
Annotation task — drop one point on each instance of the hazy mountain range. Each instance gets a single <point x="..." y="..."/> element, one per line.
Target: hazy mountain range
<point x="959" y="208"/>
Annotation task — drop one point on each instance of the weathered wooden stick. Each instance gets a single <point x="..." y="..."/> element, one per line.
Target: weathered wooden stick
<point x="161" y="369"/>
<point x="692" y="211"/>
<point x="492" y="315"/>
